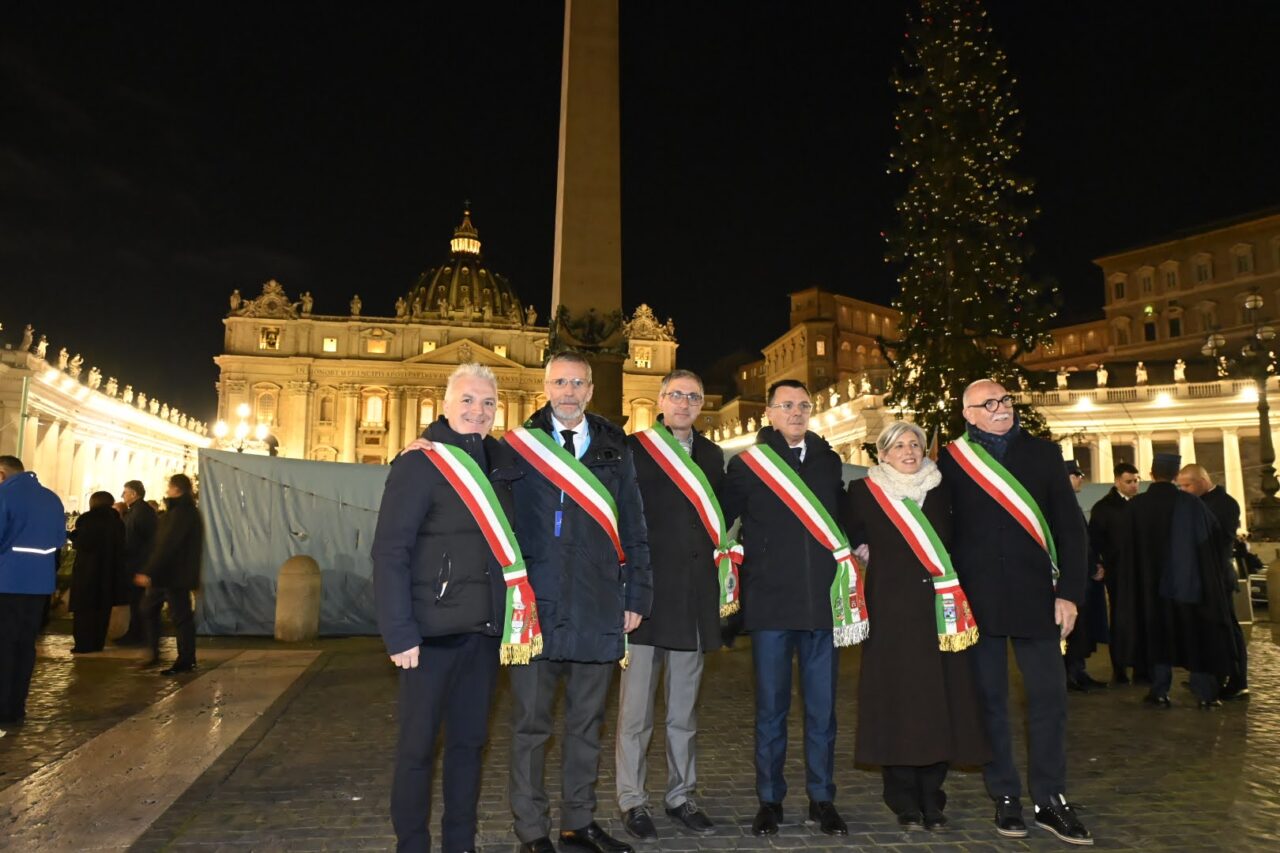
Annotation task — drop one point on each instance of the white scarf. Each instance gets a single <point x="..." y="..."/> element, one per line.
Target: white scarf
<point x="898" y="485"/>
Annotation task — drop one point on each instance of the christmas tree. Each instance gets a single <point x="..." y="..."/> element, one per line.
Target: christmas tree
<point x="968" y="308"/>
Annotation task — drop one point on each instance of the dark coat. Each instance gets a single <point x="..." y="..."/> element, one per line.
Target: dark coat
<point x="1183" y="607"/>
<point x="139" y="534"/>
<point x="98" y="577"/>
<point x="1005" y="573"/>
<point x="786" y="573"/>
<point x="434" y="574"/>
<point x="917" y="704"/>
<point x="1111" y="544"/>
<point x="686" y="586"/>
<point x="581" y="590"/>
<point x="1227" y="511"/>
<point x="175" y="560"/>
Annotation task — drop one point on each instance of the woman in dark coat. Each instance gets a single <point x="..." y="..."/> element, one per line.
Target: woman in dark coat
<point x="96" y="575"/>
<point x="918" y="710"/>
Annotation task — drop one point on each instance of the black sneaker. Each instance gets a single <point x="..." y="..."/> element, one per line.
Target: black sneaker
<point x="639" y="824"/>
<point x="692" y="818"/>
<point x="1009" y="818"/>
<point x="1058" y="817"/>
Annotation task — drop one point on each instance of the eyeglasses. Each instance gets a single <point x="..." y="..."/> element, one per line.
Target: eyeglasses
<point x="562" y="383"/>
<point x="693" y="398"/>
<point x="790" y="406"/>
<point x="993" y="404"/>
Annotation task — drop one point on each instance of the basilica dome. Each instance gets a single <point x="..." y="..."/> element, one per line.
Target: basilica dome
<point x="463" y="289"/>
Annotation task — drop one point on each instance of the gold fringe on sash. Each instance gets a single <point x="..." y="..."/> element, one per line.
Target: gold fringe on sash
<point x="729" y="609"/>
<point x="958" y="642"/>
<point x="520" y="653"/>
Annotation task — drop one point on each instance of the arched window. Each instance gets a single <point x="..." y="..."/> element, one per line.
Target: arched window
<point x="426" y="412"/>
<point x="641" y="416"/>
<point x="500" y="416"/>
<point x="373" y="409"/>
<point x="326" y="409"/>
<point x="267" y="408"/>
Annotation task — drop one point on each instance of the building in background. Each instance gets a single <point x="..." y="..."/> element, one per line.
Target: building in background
<point x="355" y="387"/>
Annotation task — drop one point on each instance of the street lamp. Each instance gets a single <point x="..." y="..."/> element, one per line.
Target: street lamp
<point x="242" y="429"/>
<point x="1257" y="362"/>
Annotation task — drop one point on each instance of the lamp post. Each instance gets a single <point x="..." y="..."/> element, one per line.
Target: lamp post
<point x="1257" y="362"/>
<point x="242" y="429"/>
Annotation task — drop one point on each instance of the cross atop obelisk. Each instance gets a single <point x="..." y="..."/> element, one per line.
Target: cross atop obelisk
<point x="586" y="290"/>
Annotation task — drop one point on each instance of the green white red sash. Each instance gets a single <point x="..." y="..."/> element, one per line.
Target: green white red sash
<point x="1004" y="488"/>
<point x="848" y="600"/>
<point x="521" y="633"/>
<point x="570" y="476"/>
<point x="693" y="484"/>
<point x="957" y="628"/>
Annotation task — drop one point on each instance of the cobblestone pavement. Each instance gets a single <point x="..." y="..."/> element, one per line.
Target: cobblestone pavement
<point x="313" y="773"/>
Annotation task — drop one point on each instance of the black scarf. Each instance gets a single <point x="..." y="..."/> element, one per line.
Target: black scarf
<point x="994" y="444"/>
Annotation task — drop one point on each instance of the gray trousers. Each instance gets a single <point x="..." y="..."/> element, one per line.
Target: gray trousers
<point x="683" y="674"/>
<point x="533" y="689"/>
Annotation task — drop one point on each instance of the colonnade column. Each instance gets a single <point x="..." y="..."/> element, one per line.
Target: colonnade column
<point x="394" y="421"/>
<point x="1187" y="446"/>
<point x="1105" y="469"/>
<point x="1234" y="471"/>
<point x="1068" y="448"/>
<point x="1145" y="454"/>
<point x="348" y="403"/>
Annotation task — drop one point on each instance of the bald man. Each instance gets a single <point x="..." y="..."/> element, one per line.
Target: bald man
<point x="1020" y="549"/>
<point x="1196" y="480"/>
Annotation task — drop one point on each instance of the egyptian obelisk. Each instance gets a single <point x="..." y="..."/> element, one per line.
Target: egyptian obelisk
<point x="586" y="290"/>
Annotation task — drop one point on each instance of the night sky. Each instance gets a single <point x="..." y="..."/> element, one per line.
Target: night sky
<point x="154" y="157"/>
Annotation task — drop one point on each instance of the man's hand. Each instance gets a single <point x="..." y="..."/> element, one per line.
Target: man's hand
<point x="407" y="659"/>
<point x="141" y="580"/>
<point x="1064" y="615"/>
<point x="863" y="553"/>
<point x="1100" y="573"/>
<point x="630" y="621"/>
<point x="417" y="444"/>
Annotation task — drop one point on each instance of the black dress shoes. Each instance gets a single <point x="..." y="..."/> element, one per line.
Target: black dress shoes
<point x="691" y="818"/>
<point x="178" y="669"/>
<point x="828" y="819"/>
<point x="592" y="837"/>
<point x="538" y="845"/>
<point x="936" y="822"/>
<point x="1158" y="699"/>
<point x="1210" y="704"/>
<point x="911" y="821"/>
<point x="639" y="824"/>
<point x="767" y="819"/>
<point x="1009" y="821"/>
<point x="1057" y="816"/>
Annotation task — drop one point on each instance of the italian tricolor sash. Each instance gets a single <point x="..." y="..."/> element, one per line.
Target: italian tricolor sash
<point x="848" y="600"/>
<point x="693" y="484"/>
<point x="570" y="476"/>
<point x="957" y="628"/>
<point x="521" y="634"/>
<point x="994" y="479"/>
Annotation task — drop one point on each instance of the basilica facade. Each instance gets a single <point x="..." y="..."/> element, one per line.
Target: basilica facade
<point x="356" y="386"/>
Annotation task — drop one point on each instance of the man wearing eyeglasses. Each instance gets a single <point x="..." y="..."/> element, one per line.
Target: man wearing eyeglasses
<point x="786" y="583"/>
<point x="588" y="562"/>
<point x="1020" y="548"/>
<point x="685" y="622"/>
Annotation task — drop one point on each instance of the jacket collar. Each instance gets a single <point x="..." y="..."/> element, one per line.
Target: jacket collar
<point x="606" y="438"/>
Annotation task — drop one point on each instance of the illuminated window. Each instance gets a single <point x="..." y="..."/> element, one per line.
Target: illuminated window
<point x="426" y="412"/>
<point x="500" y="417"/>
<point x="267" y="408"/>
<point x="500" y="350"/>
<point x="428" y="346"/>
<point x="644" y="358"/>
<point x="820" y="346"/>
<point x="641" y="418"/>
<point x="269" y="338"/>
<point x="375" y="347"/>
<point x="330" y="345"/>
<point x="373" y="410"/>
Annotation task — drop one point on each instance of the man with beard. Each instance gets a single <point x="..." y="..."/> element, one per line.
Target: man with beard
<point x="580" y="522"/>
<point x="1111" y="541"/>
<point x="679" y="471"/>
<point x="787" y="489"/>
<point x="1195" y="480"/>
<point x="1020" y="549"/>
<point x="1187" y="613"/>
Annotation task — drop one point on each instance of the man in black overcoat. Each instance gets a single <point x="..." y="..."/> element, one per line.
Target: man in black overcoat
<point x="1010" y="580"/>
<point x="1091" y="623"/>
<point x="95" y="579"/>
<point x="786" y="584"/>
<point x="1196" y="480"/>
<point x="140" y="524"/>
<point x="172" y="574"/>
<point x="587" y="604"/>
<point x="1184" y="596"/>
<point x="683" y="625"/>
<point x="440" y="598"/>
<point x="1111" y="543"/>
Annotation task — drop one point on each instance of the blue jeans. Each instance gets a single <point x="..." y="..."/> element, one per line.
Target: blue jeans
<point x="771" y="652"/>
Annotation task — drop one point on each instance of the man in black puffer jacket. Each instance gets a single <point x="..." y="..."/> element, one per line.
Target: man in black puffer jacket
<point x="786" y="600"/>
<point x="440" y="597"/>
<point x="173" y="573"/>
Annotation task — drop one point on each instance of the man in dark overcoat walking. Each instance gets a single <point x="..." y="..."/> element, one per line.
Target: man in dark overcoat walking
<point x="95" y="578"/>
<point x="1025" y="583"/>
<point x="1111" y="543"/>
<point x="172" y="574"/>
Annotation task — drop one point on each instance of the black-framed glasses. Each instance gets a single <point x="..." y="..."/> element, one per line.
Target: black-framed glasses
<point x="993" y="404"/>
<point x="693" y="398"/>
